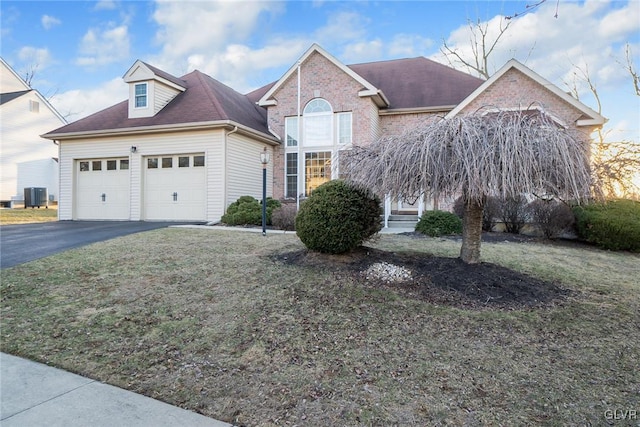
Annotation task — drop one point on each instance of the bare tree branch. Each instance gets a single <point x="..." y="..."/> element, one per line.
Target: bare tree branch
<point x="530" y="7"/>
<point x="481" y="48"/>
<point x="630" y="67"/>
<point x="30" y="74"/>
<point x="615" y="164"/>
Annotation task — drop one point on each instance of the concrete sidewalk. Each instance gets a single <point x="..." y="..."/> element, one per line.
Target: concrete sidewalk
<point x="33" y="394"/>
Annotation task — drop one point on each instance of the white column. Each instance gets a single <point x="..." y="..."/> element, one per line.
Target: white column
<point x="421" y="205"/>
<point x="387" y="210"/>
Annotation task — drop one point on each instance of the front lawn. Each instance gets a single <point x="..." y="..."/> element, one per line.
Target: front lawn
<point x="250" y="330"/>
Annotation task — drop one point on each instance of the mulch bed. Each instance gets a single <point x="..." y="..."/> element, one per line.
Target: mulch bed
<point x="441" y="281"/>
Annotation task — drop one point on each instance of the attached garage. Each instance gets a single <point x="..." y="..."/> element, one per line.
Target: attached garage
<point x="102" y="189"/>
<point x="175" y="187"/>
<point x="179" y="149"/>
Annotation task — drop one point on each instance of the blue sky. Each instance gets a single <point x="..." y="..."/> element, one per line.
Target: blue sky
<point x="81" y="49"/>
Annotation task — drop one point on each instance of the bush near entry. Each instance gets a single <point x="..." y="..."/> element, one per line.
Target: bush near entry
<point x="553" y="217"/>
<point x="247" y="210"/>
<point x="613" y="225"/>
<point x="439" y="223"/>
<point x="338" y="217"/>
<point x="284" y="217"/>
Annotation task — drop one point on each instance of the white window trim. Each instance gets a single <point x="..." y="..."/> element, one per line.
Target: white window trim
<point x="146" y="95"/>
<point x="338" y="129"/>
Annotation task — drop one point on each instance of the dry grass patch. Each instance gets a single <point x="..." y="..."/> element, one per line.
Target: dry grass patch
<point x="29" y="215"/>
<point x="218" y="322"/>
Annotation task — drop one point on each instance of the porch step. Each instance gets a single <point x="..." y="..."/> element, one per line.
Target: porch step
<point x="403" y="221"/>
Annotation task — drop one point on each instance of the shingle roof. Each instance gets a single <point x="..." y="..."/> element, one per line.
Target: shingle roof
<point x="418" y="82"/>
<point x="205" y="100"/>
<point x="407" y="83"/>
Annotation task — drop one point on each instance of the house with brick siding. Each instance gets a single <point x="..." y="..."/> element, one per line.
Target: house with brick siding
<point x="185" y="148"/>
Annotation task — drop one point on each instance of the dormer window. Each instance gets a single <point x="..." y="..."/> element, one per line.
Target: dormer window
<point x="141" y="95"/>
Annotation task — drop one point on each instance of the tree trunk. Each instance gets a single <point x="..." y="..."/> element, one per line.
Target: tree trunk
<point x="471" y="232"/>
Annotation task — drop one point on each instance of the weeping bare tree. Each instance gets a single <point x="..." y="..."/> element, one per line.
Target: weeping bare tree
<point x="499" y="154"/>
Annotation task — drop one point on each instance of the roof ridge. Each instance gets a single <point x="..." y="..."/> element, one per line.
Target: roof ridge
<point x="388" y="60"/>
<point x="210" y="93"/>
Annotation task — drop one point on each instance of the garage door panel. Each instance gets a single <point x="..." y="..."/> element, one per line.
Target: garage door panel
<point x="102" y="189"/>
<point x="174" y="189"/>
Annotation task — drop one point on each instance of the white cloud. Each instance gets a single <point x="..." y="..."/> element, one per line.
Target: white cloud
<point x="105" y="5"/>
<point x="241" y="67"/>
<point x="48" y="22"/>
<point x="103" y="47"/>
<point x="408" y="45"/>
<point x="371" y="50"/>
<point x="76" y="104"/>
<point x="38" y="57"/>
<point x="551" y="45"/>
<point x="188" y="28"/>
<point x="621" y="22"/>
<point x="343" y="28"/>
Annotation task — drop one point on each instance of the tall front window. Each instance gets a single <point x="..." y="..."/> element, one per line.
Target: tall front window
<point x="317" y="167"/>
<point x="344" y="128"/>
<point x="318" y="123"/>
<point x="311" y="142"/>
<point x="291" y="129"/>
<point x="141" y="95"/>
<point x="292" y="175"/>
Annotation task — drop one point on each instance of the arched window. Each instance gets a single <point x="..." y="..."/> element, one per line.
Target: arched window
<point x="317" y="105"/>
<point x="318" y="123"/>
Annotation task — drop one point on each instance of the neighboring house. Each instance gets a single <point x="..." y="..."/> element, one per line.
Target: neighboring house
<point x="27" y="160"/>
<point x="185" y="148"/>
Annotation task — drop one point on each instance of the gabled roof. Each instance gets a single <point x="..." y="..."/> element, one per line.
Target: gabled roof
<point x="157" y="73"/>
<point x="205" y="101"/>
<point x="401" y="84"/>
<point x="594" y="118"/>
<point x="368" y="89"/>
<point x="415" y="83"/>
<point x="15" y="81"/>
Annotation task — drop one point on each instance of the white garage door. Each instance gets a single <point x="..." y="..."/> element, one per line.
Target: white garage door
<point x="174" y="188"/>
<point x="102" y="189"/>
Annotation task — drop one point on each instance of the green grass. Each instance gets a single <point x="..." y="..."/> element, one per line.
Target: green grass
<point x="209" y="321"/>
<point x="29" y="215"/>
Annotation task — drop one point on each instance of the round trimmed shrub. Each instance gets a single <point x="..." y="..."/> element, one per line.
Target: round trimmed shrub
<point x="247" y="210"/>
<point x="614" y="225"/>
<point x="338" y="217"/>
<point x="439" y="223"/>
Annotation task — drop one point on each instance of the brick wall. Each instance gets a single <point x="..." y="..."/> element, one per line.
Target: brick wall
<point x="320" y="78"/>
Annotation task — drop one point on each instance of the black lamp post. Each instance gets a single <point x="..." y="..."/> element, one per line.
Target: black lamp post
<point x="264" y="159"/>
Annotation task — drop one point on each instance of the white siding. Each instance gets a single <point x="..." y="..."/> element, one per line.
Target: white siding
<point x="163" y="94"/>
<point x="39" y="173"/>
<point x="208" y="142"/>
<point x="376" y="127"/>
<point x="244" y="170"/>
<point x="9" y="81"/>
<point x="20" y="141"/>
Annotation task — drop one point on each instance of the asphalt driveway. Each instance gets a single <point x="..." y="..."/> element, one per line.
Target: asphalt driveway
<point x="21" y="243"/>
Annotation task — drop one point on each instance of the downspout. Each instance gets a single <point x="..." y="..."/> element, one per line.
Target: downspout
<point x="225" y="167"/>
<point x="298" y="148"/>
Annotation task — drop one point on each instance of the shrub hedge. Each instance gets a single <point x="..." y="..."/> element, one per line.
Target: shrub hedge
<point x="613" y="225"/>
<point x="247" y="210"/>
<point x="338" y="217"/>
<point x="439" y="223"/>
